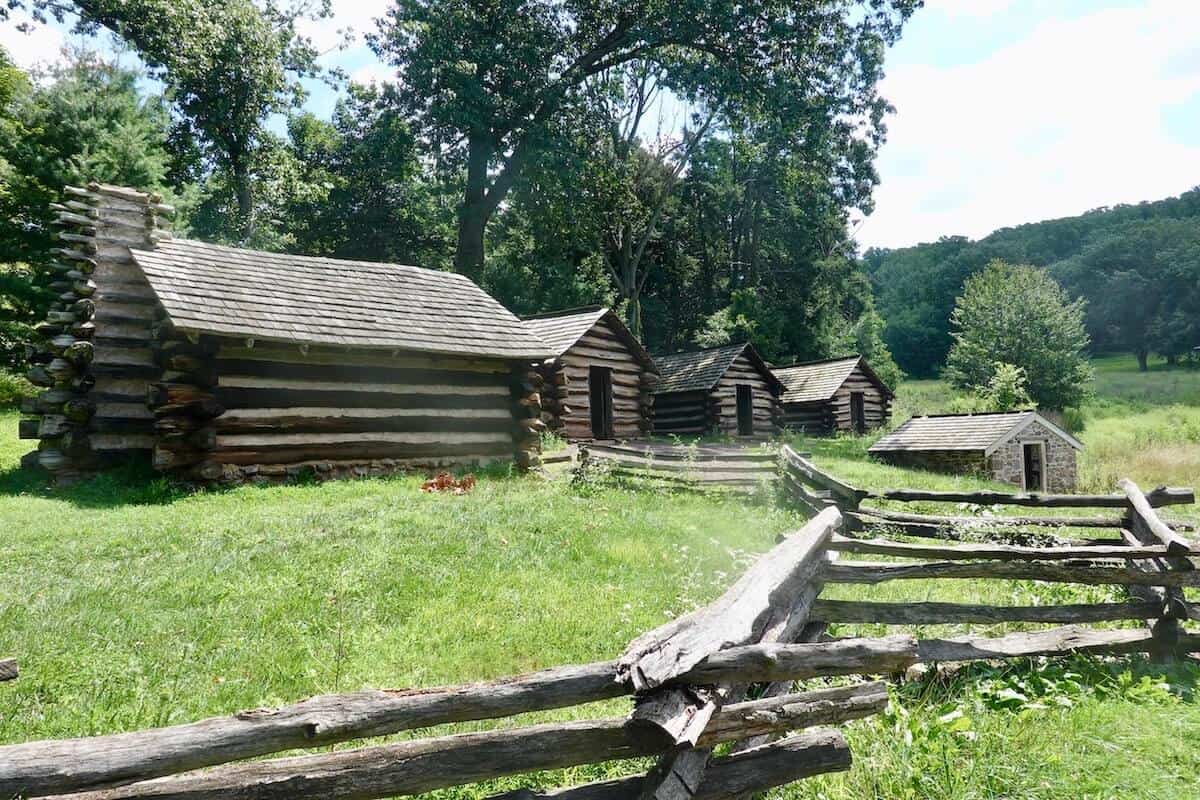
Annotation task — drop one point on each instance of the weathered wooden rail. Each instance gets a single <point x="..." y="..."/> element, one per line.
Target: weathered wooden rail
<point x="1144" y="554"/>
<point x="704" y="467"/>
<point x="690" y="678"/>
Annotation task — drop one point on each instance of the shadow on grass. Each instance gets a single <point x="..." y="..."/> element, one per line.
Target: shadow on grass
<point x="138" y="484"/>
<point x="126" y="485"/>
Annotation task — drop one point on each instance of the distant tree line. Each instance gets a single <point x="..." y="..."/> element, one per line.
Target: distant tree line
<point x="691" y="163"/>
<point x="1138" y="267"/>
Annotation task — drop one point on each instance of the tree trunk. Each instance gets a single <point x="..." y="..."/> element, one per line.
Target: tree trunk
<point x="1142" y="355"/>
<point x="474" y="213"/>
<point x="245" y="194"/>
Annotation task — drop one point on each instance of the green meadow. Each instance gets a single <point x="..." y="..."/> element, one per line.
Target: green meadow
<point x="131" y="603"/>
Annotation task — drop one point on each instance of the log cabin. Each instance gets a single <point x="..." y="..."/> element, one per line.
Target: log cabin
<point x="1018" y="447"/>
<point x="728" y="390"/>
<point x="598" y="382"/>
<point x="226" y="364"/>
<point x="836" y="394"/>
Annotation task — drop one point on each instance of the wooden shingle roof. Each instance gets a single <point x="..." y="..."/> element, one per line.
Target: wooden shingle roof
<point x="983" y="432"/>
<point x="229" y="291"/>
<point x="699" y="370"/>
<point x="819" y="380"/>
<point x="560" y="330"/>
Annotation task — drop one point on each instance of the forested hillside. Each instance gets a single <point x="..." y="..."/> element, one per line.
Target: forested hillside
<point x="1138" y="266"/>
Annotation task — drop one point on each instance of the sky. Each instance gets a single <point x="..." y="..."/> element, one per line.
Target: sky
<point x="1007" y="111"/>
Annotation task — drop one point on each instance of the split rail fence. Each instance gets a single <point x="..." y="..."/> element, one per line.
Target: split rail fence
<point x="689" y="679"/>
<point x="705" y="467"/>
<point x="1142" y="553"/>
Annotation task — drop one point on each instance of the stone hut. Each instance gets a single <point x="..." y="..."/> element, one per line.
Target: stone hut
<point x="836" y="394"/>
<point x="598" y="382"/>
<point x="728" y="390"/>
<point x="226" y="364"/>
<point x="1018" y="447"/>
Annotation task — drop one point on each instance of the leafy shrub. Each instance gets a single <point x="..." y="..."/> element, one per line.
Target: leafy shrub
<point x="14" y="388"/>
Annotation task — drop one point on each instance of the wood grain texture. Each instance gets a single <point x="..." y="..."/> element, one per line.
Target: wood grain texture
<point x="866" y="612"/>
<point x="1057" y="641"/>
<point x="1165" y="496"/>
<point x="999" y="552"/>
<point x="873" y="572"/>
<point x="788" y="760"/>
<point x="739" y="616"/>
<point x="424" y="765"/>
<point x="1142" y="511"/>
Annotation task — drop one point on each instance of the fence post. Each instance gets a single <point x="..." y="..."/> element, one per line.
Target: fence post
<point x="1143" y="526"/>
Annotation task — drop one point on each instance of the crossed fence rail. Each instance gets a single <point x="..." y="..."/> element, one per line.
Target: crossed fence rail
<point x="689" y="679"/>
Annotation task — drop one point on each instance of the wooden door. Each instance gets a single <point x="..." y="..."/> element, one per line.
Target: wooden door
<point x="600" y="398"/>
<point x="1035" y="467"/>
<point x="858" y="412"/>
<point x="745" y="410"/>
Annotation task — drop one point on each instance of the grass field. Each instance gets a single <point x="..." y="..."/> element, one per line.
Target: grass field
<point x="131" y="604"/>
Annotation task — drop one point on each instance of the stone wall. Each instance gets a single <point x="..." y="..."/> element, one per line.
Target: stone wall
<point x="959" y="462"/>
<point x="1007" y="462"/>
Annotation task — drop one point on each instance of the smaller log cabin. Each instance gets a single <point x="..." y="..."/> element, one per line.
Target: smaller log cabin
<point x="598" y="383"/>
<point x="836" y="394"/>
<point x="728" y="390"/>
<point x="1018" y="447"/>
<point x="225" y="364"/>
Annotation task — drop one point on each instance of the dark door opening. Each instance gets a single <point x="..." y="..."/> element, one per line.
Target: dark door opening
<point x="1035" y="470"/>
<point x="858" y="412"/>
<point x="600" y="399"/>
<point x="745" y="410"/>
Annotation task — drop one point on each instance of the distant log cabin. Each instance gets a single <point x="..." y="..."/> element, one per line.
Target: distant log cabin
<point x="598" y="383"/>
<point x="225" y="364"/>
<point x="837" y="394"/>
<point x="728" y="390"/>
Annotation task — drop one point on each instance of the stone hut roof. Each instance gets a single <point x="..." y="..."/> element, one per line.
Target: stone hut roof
<point x="983" y="432"/>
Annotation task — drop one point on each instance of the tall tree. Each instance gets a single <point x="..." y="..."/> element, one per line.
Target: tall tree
<point x="226" y="65"/>
<point x="1018" y="316"/>
<point x="489" y="82"/>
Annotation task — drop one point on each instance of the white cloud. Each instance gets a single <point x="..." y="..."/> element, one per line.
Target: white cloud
<point x="373" y="73"/>
<point x="968" y="8"/>
<point x="356" y="15"/>
<point x="42" y="44"/>
<point x="1067" y="119"/>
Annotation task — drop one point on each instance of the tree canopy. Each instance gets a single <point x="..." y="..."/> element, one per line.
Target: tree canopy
<point x="1014" y="318"/>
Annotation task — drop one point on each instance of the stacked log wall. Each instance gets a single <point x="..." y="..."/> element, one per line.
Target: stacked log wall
<point x="631" y="381"/>
<point x="723" y="400"/>
<point x="814" y="418"/>
<point x="96" y="360"/>
<point x="682" y="413"/>
<point x="877" y="406"/>
<point x="278" y="410"/>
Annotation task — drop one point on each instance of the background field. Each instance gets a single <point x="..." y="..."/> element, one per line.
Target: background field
<point x="131" y="604"/>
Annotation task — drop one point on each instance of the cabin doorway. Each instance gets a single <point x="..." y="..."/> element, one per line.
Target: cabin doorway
<point x="745" y="410"/>
<point x="858" y="412"/>
<point x="1035" y="466"/>
<point x="600" y="400"/>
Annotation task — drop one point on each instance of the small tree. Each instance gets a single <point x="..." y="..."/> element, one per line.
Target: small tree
<point x="1018" y="315"/>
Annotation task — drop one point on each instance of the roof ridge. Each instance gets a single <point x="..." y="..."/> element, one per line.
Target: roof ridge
<point x="819" y="361"/>
<point x="567" y="312"/>
<point x="977" y="414"/>
<point x="167" y="243"/>
<point x="703" y="349"/>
